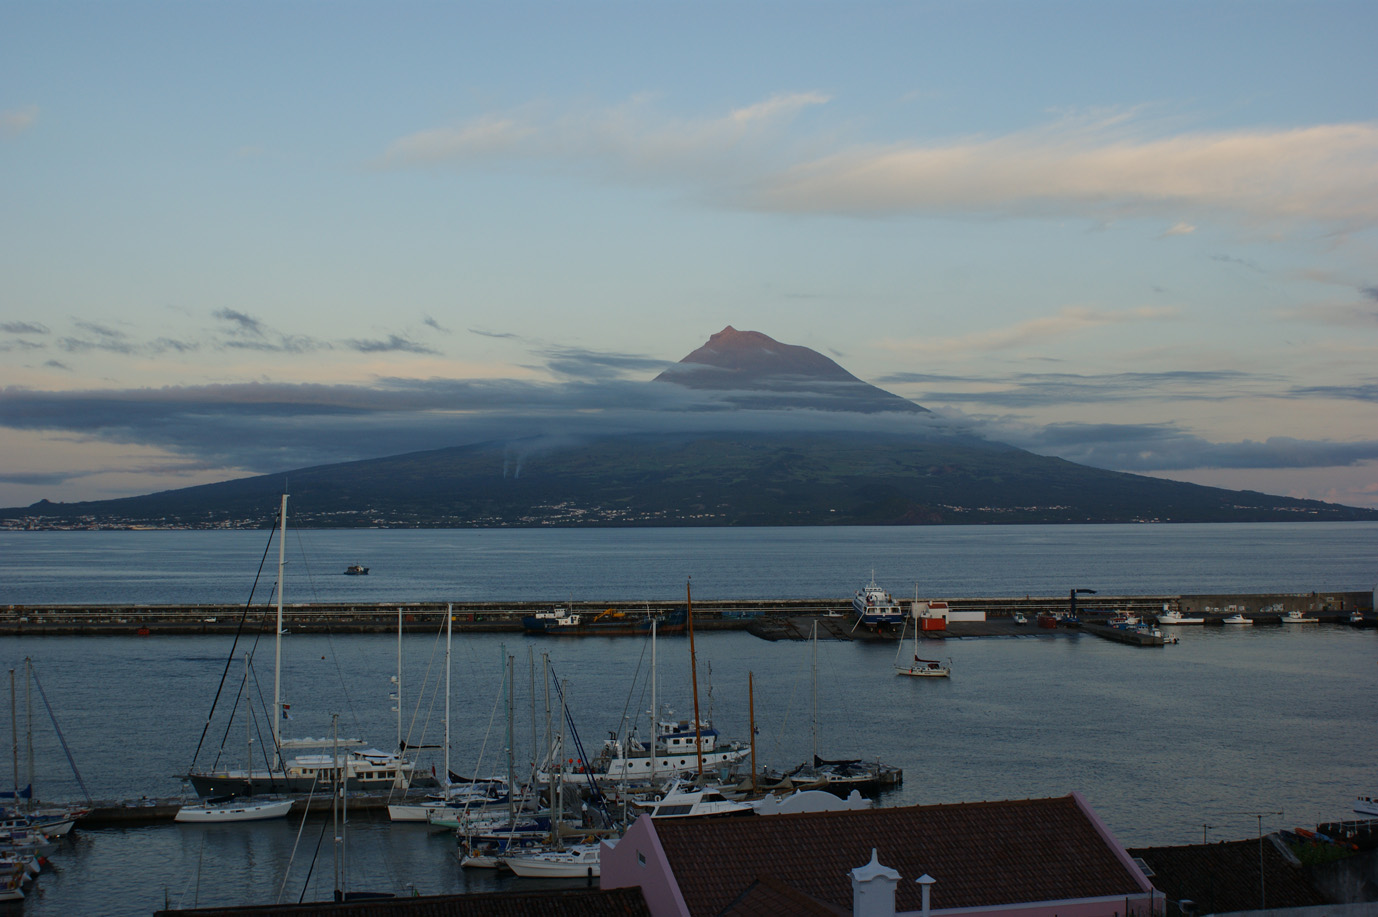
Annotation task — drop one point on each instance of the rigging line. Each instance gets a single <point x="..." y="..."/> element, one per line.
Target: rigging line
<point x="229" y="724"/>
<point x="266" y="719"/>
<point x="636" y="676"/>
<point x="287" y="869"/>
<point x="344" y="684"/>
<point x="239" y="629"/>
<point x="483" y="748"/>
<point x="426" y="686"/>
<point x="306" y="883"/>
<point x="60" y="737"/>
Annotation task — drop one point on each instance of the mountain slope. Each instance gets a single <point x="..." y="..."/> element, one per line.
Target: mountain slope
<point x="863" y="471"/>
<point x="804" y="479"/>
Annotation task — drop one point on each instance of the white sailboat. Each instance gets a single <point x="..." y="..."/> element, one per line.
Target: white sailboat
<point x="360" y="768"/>
<point x="216" y="811"/>
<point x="919" y="668"/>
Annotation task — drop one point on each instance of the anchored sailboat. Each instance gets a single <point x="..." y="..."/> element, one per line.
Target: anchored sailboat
<point x="359" y="768"/>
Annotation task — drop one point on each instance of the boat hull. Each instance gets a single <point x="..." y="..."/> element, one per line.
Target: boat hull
<point x="576" y="863"/>
<point x="210" y="785"/>
<point x="215" y="814"/>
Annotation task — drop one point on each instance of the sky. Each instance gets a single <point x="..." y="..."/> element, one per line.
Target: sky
<point x="240" y="238"/>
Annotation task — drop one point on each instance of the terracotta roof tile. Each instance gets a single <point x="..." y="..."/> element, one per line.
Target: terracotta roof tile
<point x="615" y="902"/>
<point x="981" y="854"/>
<point x="1224" y="877"/>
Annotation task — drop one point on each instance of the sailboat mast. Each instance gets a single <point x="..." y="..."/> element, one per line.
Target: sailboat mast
<point x="277" y="658"/>
<point x="399" y="679"/>
<point x="14" y="735"/>
<point x="751" y="709"/>
<point x="815" y="692"/>
<point x="449" y="625"/>
<point x="511" y="773"/>
<point x="655" y="711"/>
<point x="28" y="725"/>
<point x="693" y="674"/>
<point x="248" y="734"/>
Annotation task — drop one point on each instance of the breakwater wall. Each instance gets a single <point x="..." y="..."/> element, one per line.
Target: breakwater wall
<point x="725" y="614"/>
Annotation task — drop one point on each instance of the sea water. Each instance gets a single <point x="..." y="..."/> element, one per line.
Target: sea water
<point x="1169" y="745"/>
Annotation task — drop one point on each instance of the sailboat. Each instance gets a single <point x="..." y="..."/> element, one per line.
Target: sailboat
<point x="233" y="809"/>
<point x="921" y="668"/>
<point x="54" y="821"/>
<point x="554" y="859"/>
<point x="359" y="769"/>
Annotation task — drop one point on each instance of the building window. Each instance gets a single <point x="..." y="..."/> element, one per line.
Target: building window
<point x="641" y="858"/>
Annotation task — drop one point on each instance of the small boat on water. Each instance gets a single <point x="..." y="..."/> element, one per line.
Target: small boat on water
<point x="1296" y="617"/>
<point x="1366" y="806"/>
<point x="219" y="811"/>
<point x="1237" y="618"/>
<point x="356" y="570"/>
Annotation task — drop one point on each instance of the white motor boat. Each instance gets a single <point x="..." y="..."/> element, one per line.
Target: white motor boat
<point x="233" y="810"/>
<point x="1366" y="806"/>
<point x="683" y="800"/>
<point x="573" y="862"/>
<point x="1237" y="618"/>
<point x="1296" y="617"/>
<point x="1176" y="617"/>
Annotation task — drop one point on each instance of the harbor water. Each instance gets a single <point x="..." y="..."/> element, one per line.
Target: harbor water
<point x="1170" y="745"/>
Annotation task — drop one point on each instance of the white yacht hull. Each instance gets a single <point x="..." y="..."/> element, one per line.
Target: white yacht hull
<point x="248" y="811"/>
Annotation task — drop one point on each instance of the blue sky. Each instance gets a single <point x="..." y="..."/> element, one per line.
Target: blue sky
<point x="241" y="238"/>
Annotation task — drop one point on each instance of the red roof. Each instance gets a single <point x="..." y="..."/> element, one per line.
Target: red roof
<point x="985" y="854"/>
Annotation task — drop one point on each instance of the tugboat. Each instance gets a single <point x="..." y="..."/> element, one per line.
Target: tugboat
<point x="356" y="570"/>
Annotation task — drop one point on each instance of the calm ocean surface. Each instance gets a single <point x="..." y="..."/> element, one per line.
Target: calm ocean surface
<point x="1163" y="742"/>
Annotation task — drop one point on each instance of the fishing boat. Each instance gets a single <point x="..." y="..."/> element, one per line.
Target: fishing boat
<point x="876" y="608"/>
<point x="1366" y="806"/>
<point x="1296" y="617"/>
<point x="226" y="810"/>
<point x="358" y="769"/>
<point x="563" y="621"/>
<point x="920" y="668"/>
<point x="1236" y="618"/>
<point x="356" y="570"/>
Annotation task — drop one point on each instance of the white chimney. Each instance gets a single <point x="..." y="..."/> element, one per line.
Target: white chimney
<point x="926" y="881"/>
<point x="873" y="889"/>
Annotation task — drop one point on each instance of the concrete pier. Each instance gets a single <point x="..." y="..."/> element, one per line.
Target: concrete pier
<point x="789" y="618"/>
